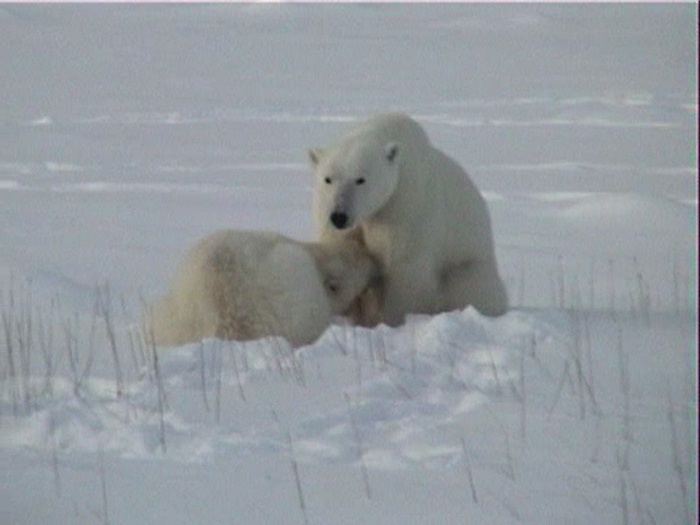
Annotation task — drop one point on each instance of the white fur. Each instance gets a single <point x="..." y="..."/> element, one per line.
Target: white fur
<point x="420" y="216"/>
<point x="245" y="285"/>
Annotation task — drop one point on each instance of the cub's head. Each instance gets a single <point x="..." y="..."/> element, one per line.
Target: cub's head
<point x="347" y="270"/>
<point x="353" y="182"/>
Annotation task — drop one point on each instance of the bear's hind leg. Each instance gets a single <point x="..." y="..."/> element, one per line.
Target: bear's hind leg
<point x="413" y="290"/>
<point x="475" y="283"/>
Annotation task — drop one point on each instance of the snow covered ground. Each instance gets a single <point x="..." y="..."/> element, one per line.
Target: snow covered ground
<point x="128" y="132"/>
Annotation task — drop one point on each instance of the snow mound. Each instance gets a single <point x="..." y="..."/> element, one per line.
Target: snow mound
<point x="400" y="386"/>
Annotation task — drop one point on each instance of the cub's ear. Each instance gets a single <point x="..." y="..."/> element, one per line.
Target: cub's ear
<point x="332" y="285"/>
<point x="315" y="155"/>
<point x="391" y="151"/>
<point x="356" y="235"/>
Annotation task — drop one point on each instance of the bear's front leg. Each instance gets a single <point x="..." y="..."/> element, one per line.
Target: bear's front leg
<point x="410" y="289"/>
<point x="366" y="310"/>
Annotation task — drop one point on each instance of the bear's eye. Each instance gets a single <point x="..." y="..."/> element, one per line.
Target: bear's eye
<point x="327" y="180"/>
<point x="333" y="288"/>
<point x="360" y="181"/>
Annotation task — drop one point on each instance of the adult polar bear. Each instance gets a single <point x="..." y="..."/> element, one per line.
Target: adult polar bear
<point x="420" y="216"/>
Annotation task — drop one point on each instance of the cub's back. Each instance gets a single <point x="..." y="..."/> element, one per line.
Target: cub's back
<point x="288" y="279"/>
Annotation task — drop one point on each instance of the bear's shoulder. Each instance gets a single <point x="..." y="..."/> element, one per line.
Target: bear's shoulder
<point x="392" y="126"/>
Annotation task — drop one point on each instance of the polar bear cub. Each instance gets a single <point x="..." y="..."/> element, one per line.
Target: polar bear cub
<point x="419" y="214"/>
<point x="246" y="285"/>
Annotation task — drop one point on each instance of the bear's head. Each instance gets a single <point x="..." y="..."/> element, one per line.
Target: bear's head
<point x="347" y="270"/>
<point x="353" y="182"/>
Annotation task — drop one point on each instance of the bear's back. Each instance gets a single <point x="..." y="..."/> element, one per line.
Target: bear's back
<point x="268" y="279"/>
<point x="244" y="285"/>
<point x="291" y="286"/>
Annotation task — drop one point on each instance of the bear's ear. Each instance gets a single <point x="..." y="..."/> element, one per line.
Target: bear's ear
<point x="391" y="151"/>
<point x="332" y="285"/>
<point x="315" y="155"/>
<point x="356" y="235"/>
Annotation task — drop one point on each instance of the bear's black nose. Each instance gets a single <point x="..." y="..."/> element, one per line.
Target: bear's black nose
<point x="339" y="220"/>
